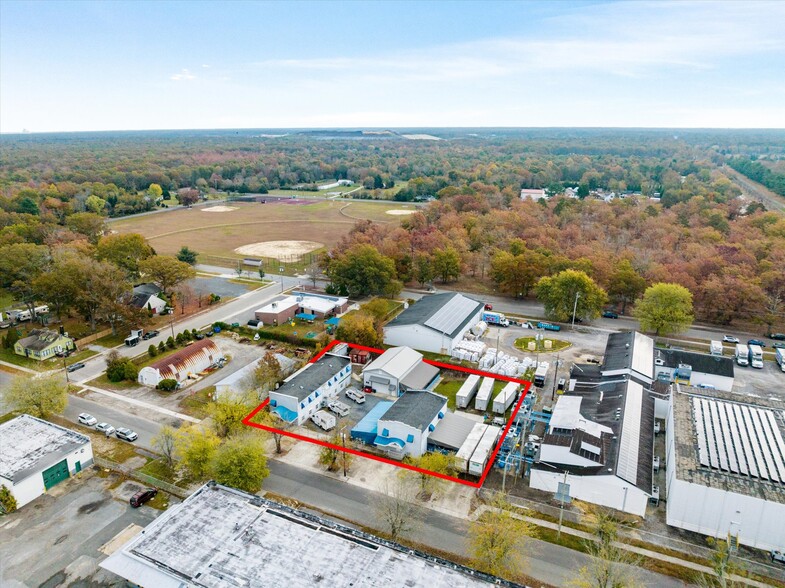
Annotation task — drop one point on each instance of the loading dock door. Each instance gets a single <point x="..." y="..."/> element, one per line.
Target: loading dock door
<point x="56" y="474"/>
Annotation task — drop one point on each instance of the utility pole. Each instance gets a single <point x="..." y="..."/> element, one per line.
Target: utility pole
<point x="343" y="441"/>
<point x="65" y="367"/>
<point x="563" y="495"/>
<point x="575" y="308"/>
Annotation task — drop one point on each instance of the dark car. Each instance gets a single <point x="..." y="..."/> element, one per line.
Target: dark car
<point x="253" y="323"/>
<point x="757" y="342"/>
<point x="150" y="335"/>
<point x="779" y="345"/>
<point x="75" y="366"/>
<point x="126" y="434"/>
<point x="198" y="336"/>
<point x="610" y="314"/>
<point x="777" y="336"/>
<point x="143" y="496"/>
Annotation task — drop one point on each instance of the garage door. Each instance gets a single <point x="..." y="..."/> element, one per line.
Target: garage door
<point x="56" y="474"/>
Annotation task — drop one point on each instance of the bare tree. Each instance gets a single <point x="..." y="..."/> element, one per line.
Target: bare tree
<point x="314" y="272"/>
<point x="722" y="567"/>
<point x="396" y="509"/>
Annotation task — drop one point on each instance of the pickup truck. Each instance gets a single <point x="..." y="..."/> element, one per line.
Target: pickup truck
<point x="548" y="326"/>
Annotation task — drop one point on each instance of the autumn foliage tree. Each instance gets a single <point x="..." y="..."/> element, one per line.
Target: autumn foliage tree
<point x="665" y="309"/>
<point x="570" y="290"/>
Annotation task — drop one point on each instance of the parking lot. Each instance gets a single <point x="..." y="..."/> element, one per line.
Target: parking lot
<point x="77" y="516"/>
<point x="356" y="412"/>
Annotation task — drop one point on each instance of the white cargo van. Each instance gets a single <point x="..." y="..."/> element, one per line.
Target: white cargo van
<point x="324" y="420"/>
<point x="356" y="395"/>
<point x="742" y="355"/>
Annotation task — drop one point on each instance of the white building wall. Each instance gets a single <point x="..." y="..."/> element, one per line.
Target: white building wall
<point x="32" y="486"/>
<point x="401" y="431"/>
<point x="603" y="490"/>
<point x="149" y="376"/>
<point x="697" y="378"/>
<point x="416" y="337"/>
<point x="716" y="512"/>
<point x="318" y="398"/>
<point x="376" y="379"/>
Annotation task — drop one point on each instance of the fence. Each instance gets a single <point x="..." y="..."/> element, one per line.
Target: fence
<point x="140" y="477"/>
<point x="90" y="338"/>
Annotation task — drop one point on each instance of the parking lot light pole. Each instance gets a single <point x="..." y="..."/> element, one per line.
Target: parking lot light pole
<point x="575" y="308"/>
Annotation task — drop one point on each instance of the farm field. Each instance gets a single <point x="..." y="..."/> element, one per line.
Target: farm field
<point x="216" y="235"/>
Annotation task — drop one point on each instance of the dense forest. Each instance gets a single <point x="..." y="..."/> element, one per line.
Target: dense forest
<point x="675" y="217"/>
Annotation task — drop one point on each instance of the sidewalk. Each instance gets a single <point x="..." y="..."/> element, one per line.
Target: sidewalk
<point x="631" y="548"/>
<point x="13" y="366"/>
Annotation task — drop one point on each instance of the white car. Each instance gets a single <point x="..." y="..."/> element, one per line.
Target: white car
<point x="87" y="419"/>
<point x="338" y="408"/>
<point x="729" y="339"/>
<point x="105" y="428"/>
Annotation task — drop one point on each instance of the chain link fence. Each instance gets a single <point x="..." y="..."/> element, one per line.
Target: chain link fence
<point x="141" y="477"/>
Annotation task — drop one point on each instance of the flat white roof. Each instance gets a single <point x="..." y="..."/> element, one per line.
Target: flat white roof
<point x="223" y="538"/>
<point x="643" y="355"/>
<point x="567" y="415"/>
<point x="30" y="444"/>
<point x="317" y="303"/>
<point x="397" y="361"/>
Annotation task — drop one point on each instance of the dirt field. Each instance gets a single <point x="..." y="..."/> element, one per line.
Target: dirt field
<point x="279" y="249"/>
<point x="401" y="212"/>
<point x="218" y="235"/>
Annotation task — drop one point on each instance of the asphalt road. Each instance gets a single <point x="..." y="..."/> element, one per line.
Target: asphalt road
<point x="146" y="429"/>
<point x="546" y="562"/>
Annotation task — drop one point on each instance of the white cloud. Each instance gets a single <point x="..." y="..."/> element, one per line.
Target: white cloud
<point x="205" y="65"/>
<point x="184" y="75"/>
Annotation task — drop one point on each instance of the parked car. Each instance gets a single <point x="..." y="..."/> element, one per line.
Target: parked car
<point x="150" y="335"/>
<point x="74" y="366"/>
<point x="198" y="336"/>
<point x="610" y="314"/>
<point x="143" y="496"/>
<point x="253" y="323"/>
<point x="87" y="419"/>
<point x="126" y="434"/>
<point x="730" y="339"/>
<point x="105" y="428"/>
<point x="777" y="556"/>
<point x="779" y="345"/>
<point x="757" y="342"/>
<point x="489" y="307"/>
<point x="777" y="336"/>
<point x="707" y="386"/>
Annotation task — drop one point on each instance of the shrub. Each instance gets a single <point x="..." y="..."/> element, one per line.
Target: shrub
<point x="152" y="351"/>
<point x="7" y="500"/>
<point x="179" y="339"/>
<point x="130" y="371"/>
<point x="170" y="342"/>
<point x="161" y="347"/>
<point x="167" y="385"/>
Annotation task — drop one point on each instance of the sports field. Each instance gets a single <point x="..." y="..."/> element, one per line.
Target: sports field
<point x="218" y="233"/>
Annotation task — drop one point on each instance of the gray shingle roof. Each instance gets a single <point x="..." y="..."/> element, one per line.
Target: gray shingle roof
<point x="416" y="409"/>
<point x="427" y="306"/>
<point x="303" y="384"/>
<point x="700" y="362"/>
<point x="39" y="339"/>
<point x="149" y="289"/>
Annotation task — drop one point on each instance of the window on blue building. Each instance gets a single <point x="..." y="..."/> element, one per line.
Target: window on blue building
<point x="410" y="439"/>
<point x="385" y="432"/>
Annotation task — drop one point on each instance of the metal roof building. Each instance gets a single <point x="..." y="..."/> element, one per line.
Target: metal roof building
<point x="37" y="454"/>
<point x="694" y="369"/>
<point x="224" y="538"/>
<point x="629" y="354"/>
<point x="434" y="323"/>
<point x="725" y="466"/>
<point x="194" y="358"/>
<point x="399" y="369"/>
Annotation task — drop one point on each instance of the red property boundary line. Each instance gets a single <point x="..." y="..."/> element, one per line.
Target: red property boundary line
<point x="526" y="385"/>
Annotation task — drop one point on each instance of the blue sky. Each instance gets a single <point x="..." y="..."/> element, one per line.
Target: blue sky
<point x="73" y="66"/>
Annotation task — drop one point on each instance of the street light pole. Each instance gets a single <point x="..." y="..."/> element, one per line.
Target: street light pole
<point x="65" y="368"/>
<point x="574" y="309"/>
<point x="343" y="441"/>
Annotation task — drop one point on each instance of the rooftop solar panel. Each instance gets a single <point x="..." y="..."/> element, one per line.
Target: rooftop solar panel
<point x="763" y="445"/>
<point x="774" y="450"/>
<point x="452" y="314"/>
<point x="730" y="453"/>
<point x="760" y="463"/>
<point x="778" y="441"/>
<point x="712" y="444"/>
<point x="752" y="465"/>
<point x="627" y="467"/>
<point x="722" y="452"/>
<point x="734" y="454"/>
<point x="700" y="430"/>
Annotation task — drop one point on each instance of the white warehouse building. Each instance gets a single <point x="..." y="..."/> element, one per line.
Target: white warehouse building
<point x="397" y="370"/>
<point x="694" y="369"/>
<point x="36" y="455"/>
<point x="725" y="467"/>
<point x="434" y="323"/>
<point x="407" y="424"/>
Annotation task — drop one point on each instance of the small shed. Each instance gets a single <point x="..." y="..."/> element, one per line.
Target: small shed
<point x="360" y="356"/>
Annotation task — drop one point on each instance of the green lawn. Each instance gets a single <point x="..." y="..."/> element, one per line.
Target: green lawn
<point x="9" y="356"/>
<point x="158" y="469"/>
<point x="110" y="340"/>
<point x="449" y="388"/>
<point x="556" y="345"/>
<point x="8" y="416"/>
<point x="196" y="404"/>
<point x="103" y="382"/>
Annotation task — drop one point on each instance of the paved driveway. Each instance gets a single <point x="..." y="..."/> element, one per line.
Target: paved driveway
<point x="54" y="540"/>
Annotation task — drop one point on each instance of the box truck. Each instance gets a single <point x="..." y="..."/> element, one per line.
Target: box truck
<point x="495" y="318"/>
<point x="779" y="355"/>
<point x="540" y="374"/>
<point x="716" y="348"/>
<point x="756" y="356"/>
<point x="742" y="355"/>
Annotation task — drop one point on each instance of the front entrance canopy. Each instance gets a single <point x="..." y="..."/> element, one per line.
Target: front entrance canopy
<point x="305" y="316"/>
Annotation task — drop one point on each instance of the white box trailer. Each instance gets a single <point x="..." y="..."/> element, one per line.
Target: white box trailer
<point x="484" y="394"/>
<point x="484" y="449"/>
<point x="715" y="348"/>
<point x="469" y="446"/>
<point x="324" y="420"/>
<point x="742" y="355"/>
<point x="467" y="391"/>
<point x="779" y="355"/>
<point x="505" y="398"/>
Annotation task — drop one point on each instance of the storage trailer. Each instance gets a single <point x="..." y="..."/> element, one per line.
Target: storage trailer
<point x="467" y="391"/>
<point x="484" y="394"/>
